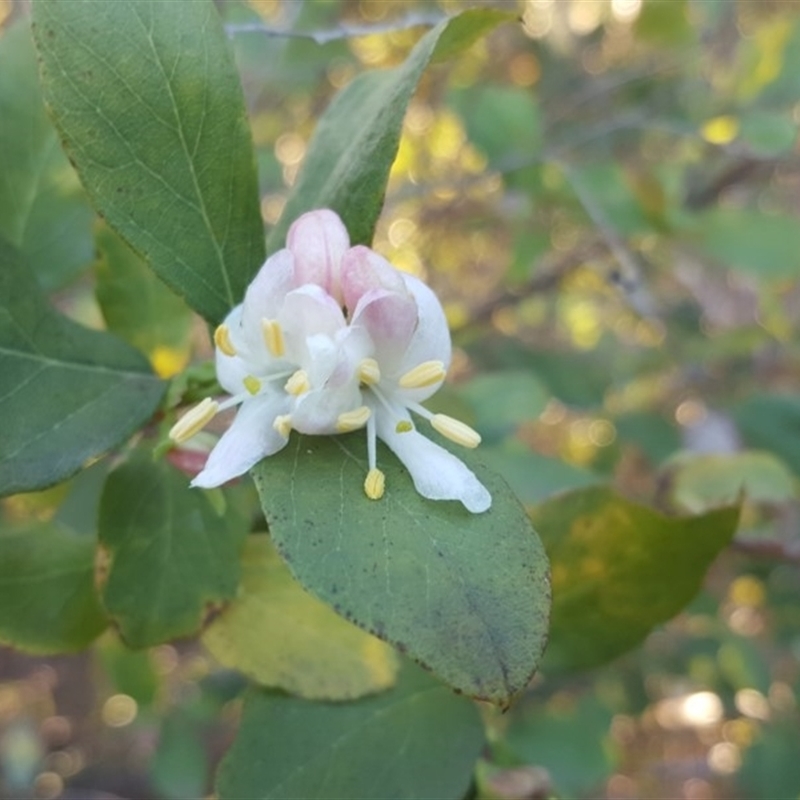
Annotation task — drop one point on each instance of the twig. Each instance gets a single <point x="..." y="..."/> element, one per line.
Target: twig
<point x="779" y="551"/>
<point x="413" y="20"/>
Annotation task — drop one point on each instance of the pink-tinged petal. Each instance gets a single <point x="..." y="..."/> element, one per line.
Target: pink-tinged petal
<point x="363" y="270"/>
<point x="437" y="473"/>
<point x="431" y="340"/>
<point x="265" y="295"/>
<point x="390" y="319"/>
<point x="250" y="438"/>
<point x="318" y="241"/>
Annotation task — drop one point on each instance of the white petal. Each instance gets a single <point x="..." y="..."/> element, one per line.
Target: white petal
<point x="231" y="370"/>
<point x="266" y="293"/>
<point x="318" y="241"/>
<point x="431" y="340"/>
<point x="363" y="270"/>
<point x="437" y="473"/>
<point x="250" y="438"/>
<point x="317" y="411"/>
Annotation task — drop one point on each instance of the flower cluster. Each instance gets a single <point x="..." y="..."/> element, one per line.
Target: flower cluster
<point x="330" y="339"/>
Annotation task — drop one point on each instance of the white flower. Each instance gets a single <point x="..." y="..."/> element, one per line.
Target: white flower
<point x="291" y="359"/>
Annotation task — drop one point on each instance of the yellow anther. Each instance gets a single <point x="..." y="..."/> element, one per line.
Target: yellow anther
<point x="455" y="430"/>
<point x="369" y="373"/>
<point x="193" y="421"/>
<point x="222" y="339"/>
<point x="352" y="420"/>
<point x="425" y="374"/>
<point x="273" y="337"/>
<point x="298" y="384"/>
<point x="374" y="484"/>
<point x="252" y="384"/>
<point x="404" y="426"/>
<point x="283" y="424"/>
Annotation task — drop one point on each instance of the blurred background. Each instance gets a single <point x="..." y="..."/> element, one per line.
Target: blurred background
<point x="606" y="195"/>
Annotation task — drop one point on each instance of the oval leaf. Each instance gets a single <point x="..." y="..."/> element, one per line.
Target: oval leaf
<point x="466" y="595"/>
<point x="356" y="139"/>
<point x="619" y="569"/>
<point x="281" y="636"/>
<point x="170" y="556"/>
<point x="147" y="99"/>
<point x="418" y="740"/>
<point x="48" y="602"/>
<point x="72" y="393"/>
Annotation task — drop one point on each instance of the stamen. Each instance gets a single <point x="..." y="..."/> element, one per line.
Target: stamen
<point x="298" y="384"/>
<point x="222" y="339"/>
<point x="369" y="373"/>
<point x="353" y="420"/>
<point x="273" y="337"/>
<point x="404" y="426"/>
<point x="455" y="430"/>
<point x="283" y="424"/>
<point x="194" y="420"/>
<point x="425" y="374"/>
<point x="374" y="484"/>
<point x="252" y="384"/>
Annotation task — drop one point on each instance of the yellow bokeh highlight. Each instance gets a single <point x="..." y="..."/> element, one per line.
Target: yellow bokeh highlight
<point x="720" y="130"/>
<point x="747" y="591"/>
<point x="5" y="10"/>
<point x="168" y="361"/>
<point x="771" y="41"/>
<point x="119" y="710"/>
<point x="583" y="322"/>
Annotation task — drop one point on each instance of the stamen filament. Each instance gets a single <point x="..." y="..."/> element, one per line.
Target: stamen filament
<point x="273" y="337"/>
<point x="374" y="484"/>
<point x="369" y="373"/>
<point x="298" y="383"/>
<point x="252" y="384"/>
<point x="425" y="374"/>
<point x="194" y="420"/>
<point x="283" y="425"/>
<point x="222" y="339"/>
<point x="353" y="420"/>
<point x="455" y="430"/>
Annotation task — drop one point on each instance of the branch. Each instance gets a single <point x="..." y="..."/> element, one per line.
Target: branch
<point x="776" y="550"/>
<point x="412" y="20"/>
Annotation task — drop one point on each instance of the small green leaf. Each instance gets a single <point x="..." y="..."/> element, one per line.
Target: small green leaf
<point x="356" y="139"/>
<point x="138" y="307"/>
<point x="147" y="99"/>
<point x="772" y="422"/>
<point x="48" y="602"/>
<point x="418" y="740"/>
<point x="43" y="210"/>
<point x="466" y="595"/>
<point x="281" y="636"/>
<point x="766" y="246"/>
<point x="700" y="482"/>
<point x="172" y="557"/>
<point x="72" y="393"/>
<point x="620" y="569"/>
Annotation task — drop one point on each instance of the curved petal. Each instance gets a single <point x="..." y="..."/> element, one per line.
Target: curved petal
<point x="363" y="270"/>
<point x="266" y="293"/>
<point x="390" y="319"/>
<point x="431" y="340"/>
<point x="250" y="438"/>
<point x="317" y="411"/>
<point x="231" y="370"/>
<point x="437" y="473"/>
<point x="318" y="241"/>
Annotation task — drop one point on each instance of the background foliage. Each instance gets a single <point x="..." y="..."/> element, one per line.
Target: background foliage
<point x="605" y="196"/>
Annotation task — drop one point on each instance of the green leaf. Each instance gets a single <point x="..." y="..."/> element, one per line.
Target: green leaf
<point x="179" y="768"/>
<point x="281" y="636"/>
<point x="620" y="569"/>
<point x="764" y="245"/>
<point x="48" y="602"/>
<point x="466" y="595"/>
<point x="769" y="133"/>
<point x="503" y="400"/>
<point x="418" y="740"/>
<point x="148" y="102"/>
<point x="172" y="558"/>
<point x="356" y="139"/>
<point x="700" y="482"/>
<point x="665" y="22"/>
<point x="43" y="210"/>
<point x="772" y="422"/>
<point x="139" y="308"/>
<point x="72" y="393"/>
